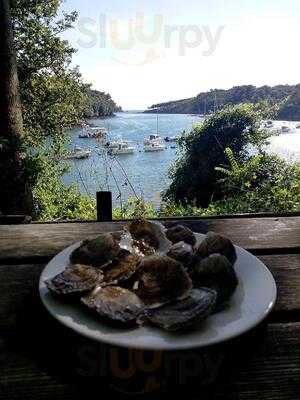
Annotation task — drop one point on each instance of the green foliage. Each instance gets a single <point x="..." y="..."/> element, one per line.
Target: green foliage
<point x="99" y="104"/>
<point x="135" y="208"/>
<point x="194" y="177"/>
<point x="54" y="200"/>
<point x="54" y="98"/>
<point x="51" y="104"/>
<point x="264" y="183"/>
<point x="290" y="109"/>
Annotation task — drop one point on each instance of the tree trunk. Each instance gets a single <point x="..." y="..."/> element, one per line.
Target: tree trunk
<point x="15" y="195"/>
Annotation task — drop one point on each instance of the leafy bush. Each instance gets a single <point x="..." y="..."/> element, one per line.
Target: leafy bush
<point x="193" y="175"/>
<point x="135" y="208"/>
<point x="264" y="183"/>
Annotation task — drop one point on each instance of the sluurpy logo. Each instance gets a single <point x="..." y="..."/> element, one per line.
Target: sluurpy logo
<point x="142" y="40"/>
<point x="132" y="371"/>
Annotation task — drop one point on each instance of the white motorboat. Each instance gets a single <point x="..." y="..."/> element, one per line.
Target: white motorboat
<point x="120" y="147"/>
<point x="285" y="129"/>
<point x="154" y="147"/>
<point x="78" y="153"/>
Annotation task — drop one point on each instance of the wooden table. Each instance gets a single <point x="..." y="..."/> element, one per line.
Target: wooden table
<point x="39" y="359"/>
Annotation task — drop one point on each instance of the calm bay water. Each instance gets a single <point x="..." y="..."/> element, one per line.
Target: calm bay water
<point x="145" y="173"/>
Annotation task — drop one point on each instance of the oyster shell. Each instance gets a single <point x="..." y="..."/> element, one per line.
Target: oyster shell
<point x="180" y="233"/>
<point x="96" y="252"/>
<point x="216" y="272"/>
<point x="75" y="279"/>
<point x="114" y="303"/>
<point x="182" y="252"/>
<point x="182" y="314"/>
<point x="217" y="244"/>
<point x="161" y="279"/>
<point x="150" y="236"/>
<point x="122" y="267"/>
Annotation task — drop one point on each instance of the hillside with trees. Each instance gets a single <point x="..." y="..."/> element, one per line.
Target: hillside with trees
<point x="285" y="96"/>
<point x="290" y="110"/>
<point x="100" y="104"/>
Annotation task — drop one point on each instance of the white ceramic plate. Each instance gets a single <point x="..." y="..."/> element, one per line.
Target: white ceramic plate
<point x="251" y="303"/>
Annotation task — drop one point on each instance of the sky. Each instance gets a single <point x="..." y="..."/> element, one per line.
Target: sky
<point x="145" y="52"/>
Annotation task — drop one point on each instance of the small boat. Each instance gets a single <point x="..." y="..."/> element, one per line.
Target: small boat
<point x="170" y="139"/>
<point x="78" y="153"/>
<point x="84" y="135"/>
<point x="298" y="126"/>
<point x="121" y="147"/>
<point x="154" y="147"/>
<point x="268" y="124"/>
<point x="153" y="143"/>
<point x="285" y="129"/>
<point x="97" y="132"/>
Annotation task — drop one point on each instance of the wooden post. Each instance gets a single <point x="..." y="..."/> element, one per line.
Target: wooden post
<point x="104" y="206"/>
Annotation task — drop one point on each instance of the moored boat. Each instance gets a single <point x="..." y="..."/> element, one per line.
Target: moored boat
<point x="153" y="143"/>
<point x="285" y="129"/>
<point x="121" y="147"/>
<point x="268" y="124"/>
<point x="78" y="153"/>
<point x="93" y="133"/>
<point x="170" y="139"/>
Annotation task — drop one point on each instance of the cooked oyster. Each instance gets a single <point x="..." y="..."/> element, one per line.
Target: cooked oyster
<point x="115" y="303"/>
<point x="182" y="314"/>
<point x="216" y="272"/>
<point x="75" y="279"/>
<point x="122" y="267"/>
<point x="217" y="244"/>
<point x="151" y="235"/>
<point x="182" y="252"/>
<point x="161" y="279"/>
<point x="96" y="252"/>
<point x="180" y="233"/>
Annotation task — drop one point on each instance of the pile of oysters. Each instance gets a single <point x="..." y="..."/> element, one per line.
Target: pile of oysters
<point x="148" y="274"/>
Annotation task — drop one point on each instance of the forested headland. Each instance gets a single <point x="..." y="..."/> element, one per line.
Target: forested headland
<point x="285" y="97"/>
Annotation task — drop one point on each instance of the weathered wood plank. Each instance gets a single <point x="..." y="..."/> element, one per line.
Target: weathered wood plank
<point x="18" y="282"/>
<point x="45" y="240"/>
<point x="262" y="365"/>
<point x="286" y="271"/>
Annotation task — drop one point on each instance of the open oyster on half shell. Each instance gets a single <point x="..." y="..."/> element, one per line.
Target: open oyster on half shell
<point x="161" y="279"/>
<point x="122" y="268"/>
<point x="96" y="252"/>
<point x="75" y="279"/>
<point x="148" y="237"/>
<point x="115" y="303"/>
<point x="181" y="315"/>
